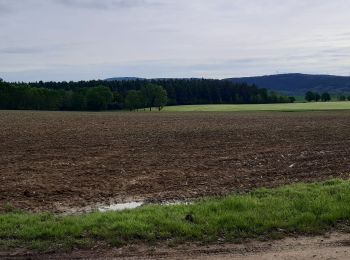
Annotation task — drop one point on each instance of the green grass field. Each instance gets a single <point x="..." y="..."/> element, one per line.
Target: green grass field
<point x="301" y="208"/>
<point x="320" y="106"/>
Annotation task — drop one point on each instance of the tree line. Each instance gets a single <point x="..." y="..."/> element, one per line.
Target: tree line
<point x="34" y="98"/>
<point x="343" y="98"/>
<point x="130" y="94"/>
<point x="324" y="97"/>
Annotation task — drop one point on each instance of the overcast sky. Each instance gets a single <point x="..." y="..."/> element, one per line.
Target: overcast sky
<point x="91" y="39"/>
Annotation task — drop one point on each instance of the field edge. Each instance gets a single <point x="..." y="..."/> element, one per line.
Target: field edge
<point x="288" y="107"/>
<point x="264" y="213"/>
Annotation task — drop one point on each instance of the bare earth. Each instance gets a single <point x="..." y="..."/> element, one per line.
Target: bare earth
<point x="56" y="160"/>
<point x="329" y="247"/>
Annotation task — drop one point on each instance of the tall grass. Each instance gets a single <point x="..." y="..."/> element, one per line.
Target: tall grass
<point x="305" y="208"/>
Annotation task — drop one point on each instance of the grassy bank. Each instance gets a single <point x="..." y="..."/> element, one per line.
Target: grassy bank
<point x="320" y="106"/>
<point x="308" y="208"/>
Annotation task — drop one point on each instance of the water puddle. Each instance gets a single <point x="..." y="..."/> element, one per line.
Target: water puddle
<point x="176" y="202"/>
<point x="135" y="204"/>
<point x="120" y="206"/>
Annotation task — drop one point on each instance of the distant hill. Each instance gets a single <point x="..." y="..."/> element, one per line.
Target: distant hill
<point x="123" y="79"/>
<point x="298" y="84"/>
<point x="150" y="79"/>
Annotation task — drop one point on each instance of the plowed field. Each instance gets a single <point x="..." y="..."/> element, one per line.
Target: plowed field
<point x="55" y="160"/>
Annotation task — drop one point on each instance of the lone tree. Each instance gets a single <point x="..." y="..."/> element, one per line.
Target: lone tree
<point x="291" y="99"/>
<point x="325" y="97"/>
<point x="161" y="99"/>
<point x="155" y="96"/>
<point x="309" y="96"/>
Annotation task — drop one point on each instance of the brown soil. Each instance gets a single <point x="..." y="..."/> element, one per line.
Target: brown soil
<point x="329" y="247"/>
<point x="54" y="160"/>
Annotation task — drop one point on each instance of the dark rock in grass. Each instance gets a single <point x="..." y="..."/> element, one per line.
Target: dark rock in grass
<point x="189" y="218"/>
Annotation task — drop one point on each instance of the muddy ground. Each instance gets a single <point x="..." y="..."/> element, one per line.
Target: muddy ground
<point x="56" y="160"/>
<point x="332" y="246"/>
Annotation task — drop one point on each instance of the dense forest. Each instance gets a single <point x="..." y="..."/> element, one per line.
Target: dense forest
<point x="130" y="94"/>
<point x="297" y="84"/>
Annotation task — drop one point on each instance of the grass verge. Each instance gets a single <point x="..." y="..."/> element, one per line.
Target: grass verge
<point x="292" y="107"/>
<point x="304" y="208"/>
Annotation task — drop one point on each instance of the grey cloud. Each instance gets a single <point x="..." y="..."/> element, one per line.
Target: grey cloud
<point x="171" y="38"/>
<point x="334" y="53"/>
<point x="175" y="68"/>
<point x="107" y="4"/>
<point x="37" y="49"/>
<point x="9" y="7"/>
<point x="20" y="50"/>
<point x="5" y="7"/>
<point x="163" y="29"/>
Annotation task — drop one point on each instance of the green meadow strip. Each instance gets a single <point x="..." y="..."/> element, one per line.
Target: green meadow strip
<point x="301" y="208"/>
<point x="287" y="107"/>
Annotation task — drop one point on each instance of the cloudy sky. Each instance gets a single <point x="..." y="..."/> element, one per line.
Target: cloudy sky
<point x="90" y="39"/>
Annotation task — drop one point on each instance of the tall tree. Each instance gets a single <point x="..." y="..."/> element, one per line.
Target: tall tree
<point x="325" y="97"/>
<point x="134" y="100"/>
<point x="98" y="98"/>
<point x="154" y="95"/>
<point x="161" y="98"/>
<point x="309" y="96"/>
